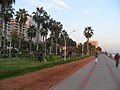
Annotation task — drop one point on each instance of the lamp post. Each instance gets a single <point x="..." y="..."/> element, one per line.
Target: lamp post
<point x="65" y="42"/>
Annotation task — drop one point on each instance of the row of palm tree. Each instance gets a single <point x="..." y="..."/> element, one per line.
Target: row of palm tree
<point x="43" y="25"/>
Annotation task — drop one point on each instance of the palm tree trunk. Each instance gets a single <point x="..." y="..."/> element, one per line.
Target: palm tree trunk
<point x="37" y="34"/>
<point x="10" y="48"/>
<point x="88" y="46"/>
<point x="82" y="50"/>
<point x="45" y="44"/>
<point x="37" y="41"/>
<point x="0" y="41"/>
<point x="10" y="40"/>
<point x="56" y="47"/>
<point x="30" y="45"/>
<point x="1" y="29"/>
<point x="4" y="32"/>
<point x="19" y="46"/>
<point x="52" y="44"/>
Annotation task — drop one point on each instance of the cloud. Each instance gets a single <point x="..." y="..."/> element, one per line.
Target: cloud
<point x="49" y="4"/>
<point x="86" y="11"/>
<point x="33" y="2"/>
<point x="61" y="4"/>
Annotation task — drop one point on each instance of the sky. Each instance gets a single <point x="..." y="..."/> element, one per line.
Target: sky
<point x="102" y="15"/>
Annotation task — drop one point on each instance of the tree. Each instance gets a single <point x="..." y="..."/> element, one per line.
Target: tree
<point x="14" y="38"/>
<point x="88" y="33"/>
<point x="6" y="2"/>
<point x="8" y="14"/>
<point x="45" y="32"/>
<point x="99" y="49"/>
<point x="85" y="48"/>
<point x="14" y="42"/>
<point x="72" y="43"/>
<point x="80" y="48"/>
<point x="92" y="49"/>
<point x="57" y="29"/>
<point x="31" y="33"/>
<point x="21" y="18"/>
<point x="51" y="28"/>
<point x="63" y="36"/>
<point x="4" y="6"/>
<point x="39" y="17"/>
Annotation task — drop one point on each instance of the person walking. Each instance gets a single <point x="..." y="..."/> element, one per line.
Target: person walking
<point x="96" y="58"/>
<point x="117" y="57"/>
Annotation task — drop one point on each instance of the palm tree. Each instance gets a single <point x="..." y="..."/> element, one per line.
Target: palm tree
<point x="7" y="2"/>
<point x="21" y="18"/>
<point x="63" y="36"/>
<point x="1" y="24"/>
<point x="45" y="32"/>
<point x="31" y="33"/>
<point x="51" y="28"/>
<point x="92" y="49"/>
<point x="6" y="17"/>
<point x="80" y="48"/>
<point x="88" y="33"/>
<point x="4" y="5"/>
<point x="8" y="14"/>
<point x="57" y="29"/>
<point x="39" y="17"/>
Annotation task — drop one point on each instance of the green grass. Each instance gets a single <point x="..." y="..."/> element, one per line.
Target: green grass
<point x="16" y="66"/>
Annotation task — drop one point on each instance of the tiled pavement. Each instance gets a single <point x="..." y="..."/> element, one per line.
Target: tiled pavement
<point x="101" y="76"/>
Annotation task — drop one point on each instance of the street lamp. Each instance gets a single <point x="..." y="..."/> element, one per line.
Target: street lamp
<point x="65" y="48"/>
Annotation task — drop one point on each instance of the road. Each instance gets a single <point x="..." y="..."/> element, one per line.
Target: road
<point x="101" y="76"/>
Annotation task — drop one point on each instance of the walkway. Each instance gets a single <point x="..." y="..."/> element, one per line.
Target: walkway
<point x="101" y="76"/>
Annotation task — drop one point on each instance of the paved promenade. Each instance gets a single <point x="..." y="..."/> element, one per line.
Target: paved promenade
<point x="101" y="76"/>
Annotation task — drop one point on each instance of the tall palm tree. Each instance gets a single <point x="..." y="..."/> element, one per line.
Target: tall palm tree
<point x="57" y="29"/>
<point x="63" y="38"/>
<point x="39" y="17"/>
<point x="21" y="18"/>
<point x="51" y="28"/>
<point x="1" y="27"/>
<point x="88" y="33"/>
<point x="31" y="33"/>
<point x="4" y="5"/>
<point x="8" y="14"/>
<point x="45" y="32"/>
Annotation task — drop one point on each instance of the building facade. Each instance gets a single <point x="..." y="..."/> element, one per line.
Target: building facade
<point x="94" y="42"/>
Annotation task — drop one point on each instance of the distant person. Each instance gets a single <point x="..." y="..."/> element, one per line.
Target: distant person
<point x="96" y="58"/>
<point x="110" y="55"/>
<point x="117" y="57"/>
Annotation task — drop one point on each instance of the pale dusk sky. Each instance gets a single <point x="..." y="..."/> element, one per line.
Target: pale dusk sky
<point x="102" y="15"/>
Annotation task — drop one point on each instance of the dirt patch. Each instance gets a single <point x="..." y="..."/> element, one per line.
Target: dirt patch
<point x="43" y="79"/>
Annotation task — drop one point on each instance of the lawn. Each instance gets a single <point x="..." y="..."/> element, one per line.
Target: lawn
<point x="16" y="66"/>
